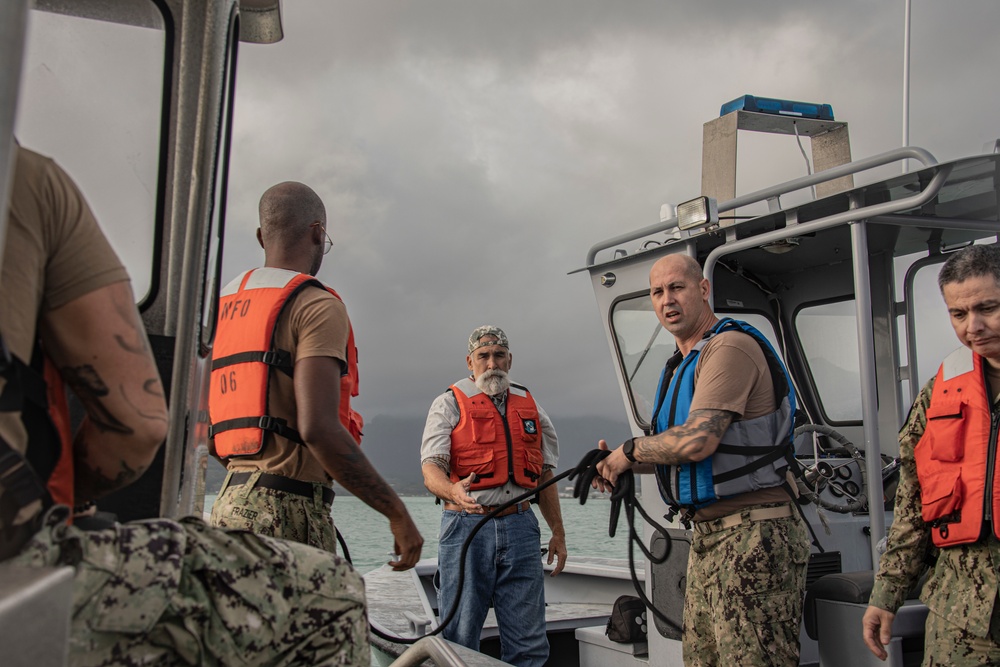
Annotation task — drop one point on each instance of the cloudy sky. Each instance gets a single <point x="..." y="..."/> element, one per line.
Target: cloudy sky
<point x="470" y="153"/>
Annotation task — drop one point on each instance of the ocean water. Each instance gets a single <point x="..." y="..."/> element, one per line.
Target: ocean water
<point x="366" y="532"/>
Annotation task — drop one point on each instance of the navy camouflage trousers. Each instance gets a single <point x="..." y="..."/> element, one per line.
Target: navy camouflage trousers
<point x="745" y="587"/>
<point x="162" y="592"/>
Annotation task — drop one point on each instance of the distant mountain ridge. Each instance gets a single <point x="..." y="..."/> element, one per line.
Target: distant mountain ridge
<point x="392" y="444"/>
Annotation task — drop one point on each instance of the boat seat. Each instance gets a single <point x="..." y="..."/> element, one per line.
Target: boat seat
<point x="834" y="607"/>
<point x="853" y="587"/>
<point x="850" y="587"/>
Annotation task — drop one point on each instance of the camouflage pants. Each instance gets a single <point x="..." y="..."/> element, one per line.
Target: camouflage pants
<point x="163" y="592"/>
<point x="948" y="645"/>
<point x="743" y="602"/>
<point x="275" y="513"/>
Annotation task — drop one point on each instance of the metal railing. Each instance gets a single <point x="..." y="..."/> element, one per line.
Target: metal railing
<point x="879" y="160"/>
<point x="433" y="648"/>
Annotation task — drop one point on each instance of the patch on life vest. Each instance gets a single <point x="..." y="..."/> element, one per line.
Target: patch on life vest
<point x="530" y="427"/>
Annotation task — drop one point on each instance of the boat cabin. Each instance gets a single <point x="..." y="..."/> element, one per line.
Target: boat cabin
<point x="838" y="269"/>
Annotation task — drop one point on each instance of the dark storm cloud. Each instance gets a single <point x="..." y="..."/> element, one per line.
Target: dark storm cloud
<point x="470" y="153"/>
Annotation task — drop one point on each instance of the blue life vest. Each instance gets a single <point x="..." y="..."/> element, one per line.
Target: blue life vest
<point x="753" y="453"/>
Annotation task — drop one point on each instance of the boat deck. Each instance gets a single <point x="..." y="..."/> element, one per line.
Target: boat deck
<point x="402" y="603"/>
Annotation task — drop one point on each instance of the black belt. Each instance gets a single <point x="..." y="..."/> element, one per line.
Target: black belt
<point x="279" y="483"/>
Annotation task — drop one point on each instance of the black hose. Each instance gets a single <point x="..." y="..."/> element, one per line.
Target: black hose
<point x="624" y="495"/>
<point x="343" y="546"/>
<point x="461" y="559"/>
<point x="585" y="472"/>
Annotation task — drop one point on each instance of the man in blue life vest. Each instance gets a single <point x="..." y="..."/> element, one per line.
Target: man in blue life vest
<point x="723" y="424"/>
<point x="284" y="367"/>
<point x="948" y="499"/>
<point x="485" y="442"/>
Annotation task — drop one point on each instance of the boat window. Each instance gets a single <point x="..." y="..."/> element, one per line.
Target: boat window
<point x="934" y="335"/>
<point x="828" y="336"/>
<point x="758" y="321"/>
<point x="91" y="99"/>
<point x="644" y="346"/>
<point x="643" y="349"/>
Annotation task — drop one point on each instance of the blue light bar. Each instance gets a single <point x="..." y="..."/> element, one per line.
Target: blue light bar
<point x="780" y="107"/>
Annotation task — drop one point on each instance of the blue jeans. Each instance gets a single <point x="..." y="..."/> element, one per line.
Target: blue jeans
<point x="503" y="566"/>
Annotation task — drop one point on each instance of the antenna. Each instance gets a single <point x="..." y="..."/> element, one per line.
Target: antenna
<point x="906" y="80"/>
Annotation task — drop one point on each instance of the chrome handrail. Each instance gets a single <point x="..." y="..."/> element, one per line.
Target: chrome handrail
<point x="879" y="160"/>
<point x="849" y="216"/>
<point x="433" y="648"/>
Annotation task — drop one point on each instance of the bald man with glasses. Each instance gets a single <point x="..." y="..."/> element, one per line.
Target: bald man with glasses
<point x="284" y="370"/>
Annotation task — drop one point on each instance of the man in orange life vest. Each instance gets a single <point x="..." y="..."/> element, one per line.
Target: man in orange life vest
<point x="485" y="442"/>
<point x="155" y="591"/>
<point x="948" y="498"/>
<point x="284" y="369"/>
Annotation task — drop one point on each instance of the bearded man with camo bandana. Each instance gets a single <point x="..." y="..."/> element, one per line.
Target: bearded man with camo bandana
<point x="486" y="442"/>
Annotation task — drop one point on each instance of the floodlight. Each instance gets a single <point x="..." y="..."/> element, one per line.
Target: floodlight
<point x="699" y="212"/>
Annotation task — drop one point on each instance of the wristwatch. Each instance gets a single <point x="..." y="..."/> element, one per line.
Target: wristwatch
<point x="628" y="450"/>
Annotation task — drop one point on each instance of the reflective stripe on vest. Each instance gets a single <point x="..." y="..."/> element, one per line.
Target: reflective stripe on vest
<point x="751" y="454"/>
<point x="244" y="356"/>
<point x="495" y="447"/>
<point x="953" y="455"/>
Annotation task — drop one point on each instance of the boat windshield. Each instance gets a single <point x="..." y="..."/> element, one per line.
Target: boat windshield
<point x="72" y="67"/>
<point x="644" y="347"/>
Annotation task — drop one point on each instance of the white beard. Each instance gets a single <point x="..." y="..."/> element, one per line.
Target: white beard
<point x="493" y="382"/>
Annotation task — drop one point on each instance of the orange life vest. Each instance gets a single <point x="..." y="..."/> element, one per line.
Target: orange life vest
<point x="495" y="447"/>
<point x="954" y="456"/>
<point x="244" y="356"/>
<point x="60" y="482"/>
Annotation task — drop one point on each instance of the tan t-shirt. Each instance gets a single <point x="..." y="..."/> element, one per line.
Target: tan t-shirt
<point x="732" y="375"/>
<point x="315" y="324"/>
<point x="993" y="375"/>
<point x="55" y="252"/>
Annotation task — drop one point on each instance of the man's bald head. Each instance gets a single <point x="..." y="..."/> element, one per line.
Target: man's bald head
<point x="680" y="262"/>
<point x="286" y="212"/>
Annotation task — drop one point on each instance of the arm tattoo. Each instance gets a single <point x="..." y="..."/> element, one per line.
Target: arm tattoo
<point x="681" y="443"/>
<point x="91" y="483"/>
<point x="440" y="462"/>
<point x="90" y="388"/>
<point x="153" y="387"/>
<point x="150" y="387"/>
<point x="129" y="347"/>
<point x="140" y="343"/>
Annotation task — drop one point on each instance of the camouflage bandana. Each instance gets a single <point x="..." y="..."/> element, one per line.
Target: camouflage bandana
<point x="487" y="330"/>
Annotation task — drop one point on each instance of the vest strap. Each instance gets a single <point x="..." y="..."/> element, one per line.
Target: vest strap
<point x="266" y="423"/>
<point x="18" y="478"/>
<point x="775" y="454"/>
<point x="749" y="449"/>
<point x="279" y="359"/>
<point x="24" y="383"/>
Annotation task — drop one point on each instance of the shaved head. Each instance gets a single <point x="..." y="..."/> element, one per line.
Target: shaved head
<point x="685" y="263"/>
<point x="286" y="212"/>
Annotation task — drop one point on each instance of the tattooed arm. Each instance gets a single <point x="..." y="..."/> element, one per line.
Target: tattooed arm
<point x="99" y="345"/>
<point x="317" y="400"/>
<point x="694" y="440"/>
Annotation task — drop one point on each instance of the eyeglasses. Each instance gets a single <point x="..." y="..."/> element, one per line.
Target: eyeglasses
<point x="328" y="244"/>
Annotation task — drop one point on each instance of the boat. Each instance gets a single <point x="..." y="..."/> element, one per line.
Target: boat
<point x="838" y="280"/>
<point x="834" y="271"/>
